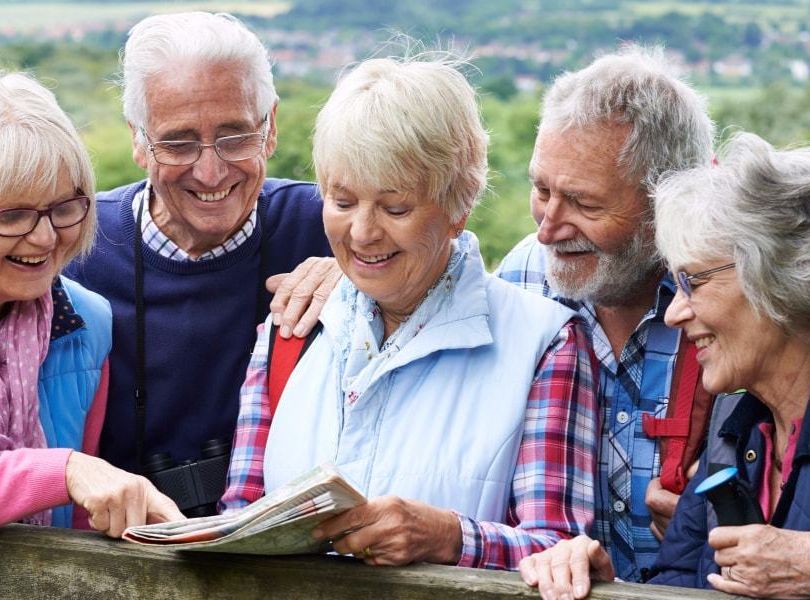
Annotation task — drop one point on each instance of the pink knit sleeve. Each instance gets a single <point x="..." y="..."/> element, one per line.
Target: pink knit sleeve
<point x="31" y="480"/>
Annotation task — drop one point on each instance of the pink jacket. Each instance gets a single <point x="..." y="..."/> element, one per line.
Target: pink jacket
<point x="33" y="479"/>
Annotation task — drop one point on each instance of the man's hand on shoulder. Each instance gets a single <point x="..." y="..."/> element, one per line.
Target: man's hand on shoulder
<point x="299" y="297"/>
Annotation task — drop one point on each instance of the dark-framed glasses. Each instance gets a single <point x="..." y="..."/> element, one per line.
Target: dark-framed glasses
<point x="688" y="282"/>
<point x="231" y="148"/>
<point x="17" y="222"/>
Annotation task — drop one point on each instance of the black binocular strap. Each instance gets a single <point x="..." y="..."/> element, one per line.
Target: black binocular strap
<point x="140" y="326"/>
<point x="140" y="341"/>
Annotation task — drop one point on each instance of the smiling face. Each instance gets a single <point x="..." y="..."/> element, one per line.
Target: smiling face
<point x="201" y="205"/>
<point x="591" y="221"/>
<point x="29" y="264"/>
<point x="737" y="348"/>
<point x="392" y="245"/>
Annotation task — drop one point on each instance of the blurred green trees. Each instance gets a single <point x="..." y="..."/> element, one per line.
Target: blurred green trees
<point x="83" y="81"/>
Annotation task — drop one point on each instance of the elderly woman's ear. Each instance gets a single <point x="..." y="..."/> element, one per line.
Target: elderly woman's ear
<point x="457" y="228"/>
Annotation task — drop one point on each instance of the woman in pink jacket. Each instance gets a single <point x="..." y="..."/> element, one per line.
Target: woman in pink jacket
<point x="54" y="334"/>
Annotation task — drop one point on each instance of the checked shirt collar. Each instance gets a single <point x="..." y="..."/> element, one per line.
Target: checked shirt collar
<point x="159" y="242"/>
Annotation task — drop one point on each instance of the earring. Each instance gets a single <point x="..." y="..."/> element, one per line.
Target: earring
<point x="459" y="232"/>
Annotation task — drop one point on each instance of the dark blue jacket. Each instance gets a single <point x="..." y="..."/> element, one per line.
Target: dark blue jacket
<point x="201" y="319"/>
<point x="685" y="558"/>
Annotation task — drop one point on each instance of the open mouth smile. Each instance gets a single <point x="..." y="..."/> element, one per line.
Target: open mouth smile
<point x="29" y="261"/>
<point x="704" y="341"/>
<point x="213" y="196"/>
<point x="373" y="259"/>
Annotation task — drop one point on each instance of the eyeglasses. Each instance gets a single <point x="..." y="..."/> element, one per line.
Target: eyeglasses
<point x="688" y="282"/>
<point x="17" y="222"/>
<point x="231" y="148"/>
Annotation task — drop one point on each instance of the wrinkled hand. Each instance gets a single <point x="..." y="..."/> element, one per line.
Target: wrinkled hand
<point x="392" y="531"/>
<point x="661" y="504"/>
<point x="115" y="499"/>
<point x="566" y="569"/>
<point x="761" y="561"/>
<point x="299" y="296"/>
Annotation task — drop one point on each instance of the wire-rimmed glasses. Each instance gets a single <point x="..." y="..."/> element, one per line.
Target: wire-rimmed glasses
<point x="688" y="282"/>
<point x="230" y="148"/>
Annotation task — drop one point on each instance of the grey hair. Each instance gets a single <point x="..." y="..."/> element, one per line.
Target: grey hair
<point x="411" y="124"/>
<point x="158" y="43"/>
<point x="669" y="126"/>
<point x="39" y="147"/>
<point x="754" y="208"/>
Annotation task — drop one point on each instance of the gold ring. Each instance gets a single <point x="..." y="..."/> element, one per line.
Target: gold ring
<point x="367" y="552"/>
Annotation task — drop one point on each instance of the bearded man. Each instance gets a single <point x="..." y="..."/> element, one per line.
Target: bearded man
<point x="607" y="133"/>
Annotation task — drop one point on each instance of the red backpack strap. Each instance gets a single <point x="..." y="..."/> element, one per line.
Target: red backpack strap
<point x="283" y="355"/>
<point x="683" y="429"/>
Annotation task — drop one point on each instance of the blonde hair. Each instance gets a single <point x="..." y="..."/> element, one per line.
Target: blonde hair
<point x="410" y="124"/>
<point x="39" y="145"/>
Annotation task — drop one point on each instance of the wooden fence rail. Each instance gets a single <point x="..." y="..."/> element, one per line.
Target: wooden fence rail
<point x="38" y="563"/>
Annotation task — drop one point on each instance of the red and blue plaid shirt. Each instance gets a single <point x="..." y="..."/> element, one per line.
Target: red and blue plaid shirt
<point x="552" y="494"/>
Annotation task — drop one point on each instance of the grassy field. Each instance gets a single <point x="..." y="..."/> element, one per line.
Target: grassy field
<point x="32" y="17"/>
<point x="737" y="11"/>
<point x="729" y="93"/>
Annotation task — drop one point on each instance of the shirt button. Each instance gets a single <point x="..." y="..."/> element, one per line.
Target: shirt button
<point x="622" y="417"/>
<point x="619" y="506"/>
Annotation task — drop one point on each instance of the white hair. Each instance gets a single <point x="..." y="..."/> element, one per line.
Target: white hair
<point x="39" y="147"/>
<point x="158" y="43"/>
<point x="753" y="208"/>
<point x="669" y="126"/>
<point x="411" y="124"/>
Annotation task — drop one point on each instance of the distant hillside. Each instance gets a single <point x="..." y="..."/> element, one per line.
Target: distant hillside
<point x="518" y="42"/>
<point x="761" y="37"/>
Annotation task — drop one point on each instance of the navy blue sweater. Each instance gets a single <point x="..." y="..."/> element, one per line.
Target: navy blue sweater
<point x="200" y="319"/>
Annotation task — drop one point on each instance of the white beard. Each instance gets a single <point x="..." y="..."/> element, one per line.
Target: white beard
<point x="617" y="276"/>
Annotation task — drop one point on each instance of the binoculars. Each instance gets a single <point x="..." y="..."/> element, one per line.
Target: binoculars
<point x="732" y="499"/>
<point x="195" y="485"/>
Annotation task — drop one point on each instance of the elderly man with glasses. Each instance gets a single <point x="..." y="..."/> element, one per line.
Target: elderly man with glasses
<point x="183" y="255"/>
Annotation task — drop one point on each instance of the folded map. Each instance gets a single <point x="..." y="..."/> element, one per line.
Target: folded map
<point x="279" y="523"/>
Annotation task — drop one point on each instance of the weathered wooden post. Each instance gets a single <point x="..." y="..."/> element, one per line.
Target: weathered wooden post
<point x="39" y="563"/>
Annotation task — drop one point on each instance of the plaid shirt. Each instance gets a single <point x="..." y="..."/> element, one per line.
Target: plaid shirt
<point x="159" y="242"/>
<point x="552" y="489"/>
<point x="638" y="383"/>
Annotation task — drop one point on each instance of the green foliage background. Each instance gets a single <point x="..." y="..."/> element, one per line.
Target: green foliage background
<point x="83" y="80"/>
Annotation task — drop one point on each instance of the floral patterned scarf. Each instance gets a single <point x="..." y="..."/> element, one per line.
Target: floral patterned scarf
<point x="361" y="356"/>
<point x="24" y="337"/>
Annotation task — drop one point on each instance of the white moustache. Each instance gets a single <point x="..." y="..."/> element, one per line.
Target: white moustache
<point x="576" y="245"/>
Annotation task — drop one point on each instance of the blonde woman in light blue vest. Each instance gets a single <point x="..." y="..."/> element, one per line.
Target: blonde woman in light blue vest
<point x="461" y="406"/>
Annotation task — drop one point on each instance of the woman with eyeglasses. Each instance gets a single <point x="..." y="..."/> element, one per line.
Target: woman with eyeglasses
<point x="737" y="238"/>
<point x="54" y="334"/>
